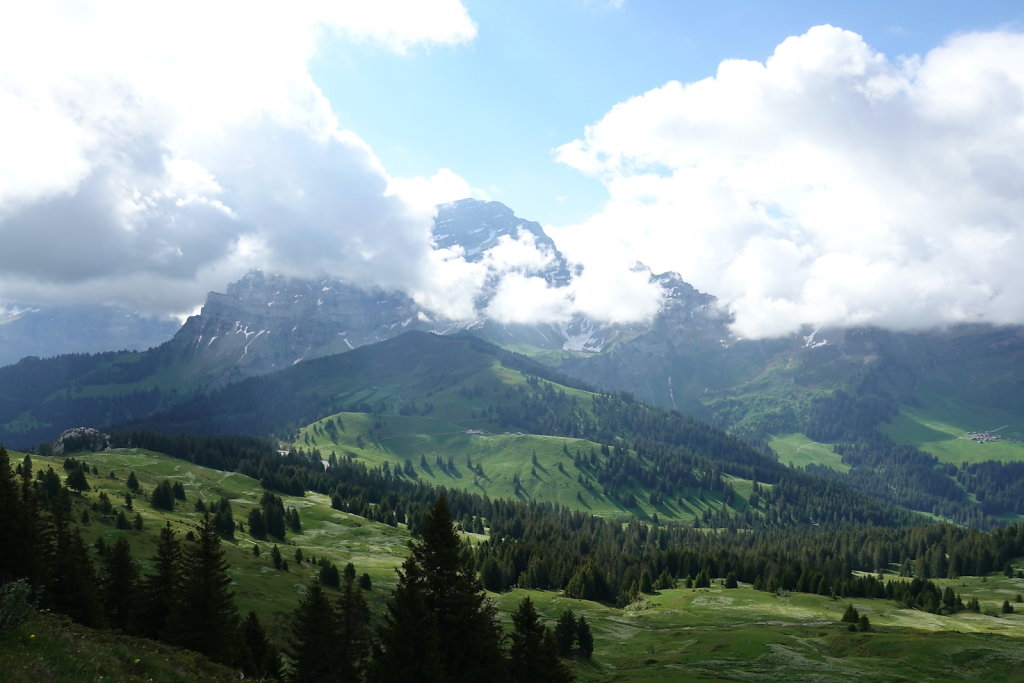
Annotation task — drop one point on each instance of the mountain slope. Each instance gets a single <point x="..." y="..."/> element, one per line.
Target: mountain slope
<point x="46" y="331"/>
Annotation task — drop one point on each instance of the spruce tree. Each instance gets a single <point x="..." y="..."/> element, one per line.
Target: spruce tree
<point x="533" y="655"/>
<point x="159" y="590"/>
<point x="71" y="586"/>
<point x="353" y="643"/>
<point x="441" y="576"/>
<point x="257" y="657"/>
<point x="407" y="647"/>
<point x="565" y="633"/>
<point x="119" y="584"/>
<point x="313" y="636"/>
<point x="205" y="618"/>
<point x="584" y="637"/>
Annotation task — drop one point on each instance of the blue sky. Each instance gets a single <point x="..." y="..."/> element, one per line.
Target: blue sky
<point x="539" y="71"/>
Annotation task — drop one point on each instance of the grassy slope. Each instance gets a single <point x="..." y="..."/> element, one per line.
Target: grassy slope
<point x="373" y="548"/>
<point x="49" y="647"/>
<point x="398" y="440"/>
<point x="701" y="634"/>
<point x="939" y="425"/>
<point x="798" y="450"/>
<point x="742" y="634"/>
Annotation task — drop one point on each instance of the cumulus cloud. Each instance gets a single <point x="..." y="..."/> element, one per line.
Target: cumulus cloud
<point x="830" y="184"/>
<point x="153" y="152"/>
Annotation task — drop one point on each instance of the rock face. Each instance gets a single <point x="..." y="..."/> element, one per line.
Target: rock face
<point x="80" y="439"/>
<point x="266" y="322"/>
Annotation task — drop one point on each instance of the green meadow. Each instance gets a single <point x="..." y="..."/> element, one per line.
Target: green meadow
<point x="509" y="465"/>
<point x="679" y="634"/>
<point x="799" y="451"/>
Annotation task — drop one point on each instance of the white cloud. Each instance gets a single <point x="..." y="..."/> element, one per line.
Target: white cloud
<point x="155" y="151"/>
<point x="425" y="194"/>
<point x="523" y="299"/>
<point x="829" y="185"/>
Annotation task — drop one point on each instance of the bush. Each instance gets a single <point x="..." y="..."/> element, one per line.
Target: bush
<point x="15" y="605"/>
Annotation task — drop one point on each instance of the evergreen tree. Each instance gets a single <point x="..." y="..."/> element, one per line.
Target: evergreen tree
<point x="205" y="618"/>
<point x="119" y="583"/>
<point x="850" y="616"/>
<point x="76" y="480"/>
<point x="565" y="633"/>
<point x="584" y="637"/>
<point x="275" y="556"/>
<point x="1007" y="608"/>
<point x="159" y="590"/>
<point x="353" y="643"/>
<point x="257" y="526"/>
<point x="132" y="482"/>
<point x="440" y="574"/>
<point x="313" y="637"/>
<point x="407" y="647"/>
<point x="162" y="497"/>
<point x="533" y="655"/>
<point x="71" y="586"/>
<point x="257" y="657"/>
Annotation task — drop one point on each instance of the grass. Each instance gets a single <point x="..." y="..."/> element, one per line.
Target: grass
<point x="51" y="647"/>
<point x="338" y="536"/>
<point x="679" y="634"/>
<point x="799" y="451"/>
<point x="941" y="429"/>
<point x="491" y="463"/>
<point x="743" y="634"/>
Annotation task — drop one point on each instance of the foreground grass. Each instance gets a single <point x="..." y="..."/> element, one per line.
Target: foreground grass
<point x="49" y="647"/>
<point x="679" y="634"/>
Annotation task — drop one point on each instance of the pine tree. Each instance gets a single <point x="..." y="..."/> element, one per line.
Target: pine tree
<point x="565" y="633"/>
<point x="851" y="615"/>
<point x="160" y="590"/>
<point x="353" y="643"/>
<point x="132" y="482"/>
<point x="440" y="574"/>
<point x="162" y="497"/>
<point x="313" y="636"/>
<point x="407" y="647"/>
<point x="205" y="618"/>
<point x="257" y="657"/>
<point x="584" y="637"/>
<point x="71" y="575"/>
<point x="76" y="480"/>
<point x="533" y="655"/>
<point x="275" y="556"/>
<point x="257" y="525"/>
<point x="119" y="584"/>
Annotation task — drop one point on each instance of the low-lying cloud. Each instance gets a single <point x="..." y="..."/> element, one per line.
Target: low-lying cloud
<point x="828" y="185"/>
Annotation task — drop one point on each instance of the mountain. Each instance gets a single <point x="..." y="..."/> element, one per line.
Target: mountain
<point x="46" y="331"/>
<point x="266" y="322"/>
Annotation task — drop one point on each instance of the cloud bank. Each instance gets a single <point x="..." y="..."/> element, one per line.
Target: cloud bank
<point x="829" y="185"/>
<point x="154" y="152"/>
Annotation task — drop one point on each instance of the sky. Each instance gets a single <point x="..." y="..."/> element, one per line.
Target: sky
<point x="808" y="163"/>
